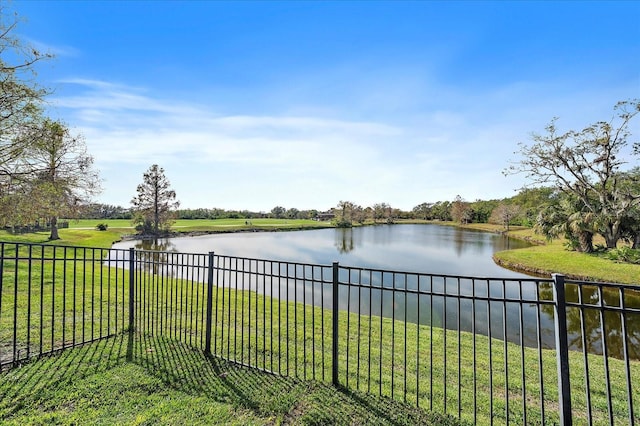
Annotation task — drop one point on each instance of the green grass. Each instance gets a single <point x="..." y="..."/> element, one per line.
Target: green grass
<point x="68" y="237"/>
<point x="83" y="233"/>
<point x="552" y="257"/>
<point x="453" y="368"/>
<point x="443" y="370"/>
<point x="154" y="380"/>
<point x="208" y="225"/>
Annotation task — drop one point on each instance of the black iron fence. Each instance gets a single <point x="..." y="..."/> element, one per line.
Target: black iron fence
<point x="488" y="350"/>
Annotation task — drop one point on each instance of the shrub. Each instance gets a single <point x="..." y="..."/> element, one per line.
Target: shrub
<point x="102" y="227"/>
<point x="624" y="255"/>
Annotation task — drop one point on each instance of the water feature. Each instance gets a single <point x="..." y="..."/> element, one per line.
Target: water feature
<point x="431" y="249"/>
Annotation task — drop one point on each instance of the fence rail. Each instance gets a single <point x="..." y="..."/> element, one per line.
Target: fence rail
<point x="488" y="350"/>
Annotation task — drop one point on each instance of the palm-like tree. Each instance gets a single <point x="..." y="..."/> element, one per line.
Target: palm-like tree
<point x="562" y="219"/>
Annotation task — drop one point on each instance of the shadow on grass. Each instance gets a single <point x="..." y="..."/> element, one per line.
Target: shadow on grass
<point x="188" y="371"/>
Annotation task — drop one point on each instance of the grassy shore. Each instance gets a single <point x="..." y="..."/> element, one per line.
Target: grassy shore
<point x="544" y="258"/>
<point x="547" y="257"/>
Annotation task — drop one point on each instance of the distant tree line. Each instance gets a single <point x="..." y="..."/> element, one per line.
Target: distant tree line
<point x="520" y="209"/>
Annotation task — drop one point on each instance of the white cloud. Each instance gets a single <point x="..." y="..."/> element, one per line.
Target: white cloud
<point x="256" y="161"/>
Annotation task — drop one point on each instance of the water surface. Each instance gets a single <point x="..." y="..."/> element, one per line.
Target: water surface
<point x="433" y="249"/>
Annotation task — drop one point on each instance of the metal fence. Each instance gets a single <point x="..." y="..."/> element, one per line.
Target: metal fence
<point x="488" y="350"/>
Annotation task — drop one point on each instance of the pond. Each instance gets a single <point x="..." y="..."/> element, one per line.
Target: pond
<point x="436" y="250"/>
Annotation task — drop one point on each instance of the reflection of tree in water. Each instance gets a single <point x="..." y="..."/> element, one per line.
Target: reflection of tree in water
<point x="458" y="240"/>
<point x="154" y="254"/>
<point x="156" y="244"/>
<point x="344" y="240"/>
<point x="591" y="320"/>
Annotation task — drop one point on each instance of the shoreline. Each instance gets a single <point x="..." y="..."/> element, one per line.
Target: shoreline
<point x="518" y="263"/>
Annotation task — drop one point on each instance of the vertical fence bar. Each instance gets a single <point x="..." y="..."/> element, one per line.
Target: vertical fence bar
<point x="29" y="277"/>
<point x="625" y="348"/>
<point x="14" y="357"/>
<point x="539" y="341"/>
<point x="1" y="275"/>
<point x="207" y="342"/>
<point x="605" y="352"/>
<point x="334" y="331"/>
<point x="562" y="350"/>
<point x="505" y="347"/>
<point x="53" y="296"/>
<point x="348" y="334"/>
<point x="585" y="356"/>
<point x="42" y="261"/>
<point x="132" y="276"/>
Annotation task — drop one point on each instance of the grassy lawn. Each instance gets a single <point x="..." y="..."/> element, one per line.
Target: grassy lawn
<point x="550" y="257"/>
<point x="451" y="372"/>
<point x="547" y="257"/>
<point x="208" y="225"/>
<point x="447" y="371"/>
<point x="154" y="380"/>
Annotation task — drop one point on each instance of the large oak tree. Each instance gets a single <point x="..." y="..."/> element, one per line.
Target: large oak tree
<point x="587" y="165"/>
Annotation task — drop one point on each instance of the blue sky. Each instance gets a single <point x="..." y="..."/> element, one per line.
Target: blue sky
<point x="249" y="105"/>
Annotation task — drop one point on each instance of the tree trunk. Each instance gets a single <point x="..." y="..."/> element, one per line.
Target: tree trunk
<point x="586" y="241"/>
<point x="612" y="235"/>
<point x="636" y="242"/>
<point x="54" y="229"/>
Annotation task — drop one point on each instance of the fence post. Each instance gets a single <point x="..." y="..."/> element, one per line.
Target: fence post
<point x="562" y="350"/>
<point x="132" y="279"/>
<point x="207" y="343"/>
<point x="334" y="329"/>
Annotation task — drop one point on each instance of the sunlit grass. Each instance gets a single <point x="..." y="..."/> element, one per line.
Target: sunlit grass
<point x="450" y="372"/>
<point x="190" y="225"/>
<point x="156" y="380"/>
<point x="473" y="377"/>
<point x="548" y="257"/>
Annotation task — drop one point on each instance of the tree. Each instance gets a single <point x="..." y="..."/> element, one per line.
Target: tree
<point x="631" y="224"/>
<point x="60" y="178"/>
<point x="586" y="164"/>
<point x="565" y="218"/>
<point x="20" y="97"/>
<point x="382" y="212"/>
<point x="503" y="214"/>
<point x="531" y="201"/>
<point x="460" y="210"/>
<point x="344" y="214"/>
<point x="155" y="204"/>
<point x="441" y="210"/>
<point x="481" y="210"/>
<point x="423" y="211"/>
<point x="278" y="212"/>
<point x="292" y="213"/>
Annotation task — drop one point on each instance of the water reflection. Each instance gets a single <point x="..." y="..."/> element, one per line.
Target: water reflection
<point x="593" y="319"/>
<point x="156" y="244"/>
<point x="437" y="250"/>
<point x="152" y="255"/>
<point x="344" y="240"/>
